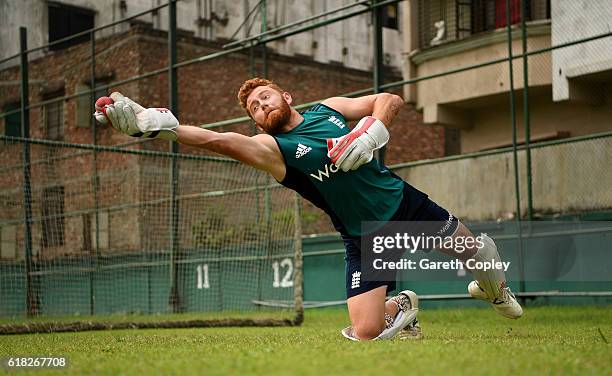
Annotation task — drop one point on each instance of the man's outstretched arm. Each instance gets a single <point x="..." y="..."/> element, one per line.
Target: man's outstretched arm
<point x="128" y="117"/>
<point x="259" y="151"/>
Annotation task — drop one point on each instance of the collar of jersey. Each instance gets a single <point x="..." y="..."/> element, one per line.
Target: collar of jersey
<point x="299" y="125"/>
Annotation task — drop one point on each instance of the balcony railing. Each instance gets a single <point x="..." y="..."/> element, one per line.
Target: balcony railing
<point x="443" y="21"/>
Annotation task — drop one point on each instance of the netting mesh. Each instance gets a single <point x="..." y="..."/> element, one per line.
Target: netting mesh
<point x="475" y="180"/>
<point x="572" y="177"/>
<point x="443" y="21"/>
<point x="566" y="179"/>
<point x="104" y="239"/>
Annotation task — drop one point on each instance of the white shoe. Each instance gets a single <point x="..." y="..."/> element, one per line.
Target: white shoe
<point x="413" y="329"/>
<point x="406" y="318"/>
<point x="349" y="333"/>
<point x="408" y="305"/>
<point x="506" y="305"/>
<point x="411" y="332"/>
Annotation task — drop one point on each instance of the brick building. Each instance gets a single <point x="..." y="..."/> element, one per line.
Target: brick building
<point x="62" y="182"/>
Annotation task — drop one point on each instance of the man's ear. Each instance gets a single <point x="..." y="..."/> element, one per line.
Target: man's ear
<point x="287" y="97"/>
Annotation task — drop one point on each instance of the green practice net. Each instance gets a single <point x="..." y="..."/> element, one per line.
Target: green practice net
<point x="143" y="238"/>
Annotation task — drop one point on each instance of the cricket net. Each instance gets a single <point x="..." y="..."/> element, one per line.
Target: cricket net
<point x="99" y="237"/>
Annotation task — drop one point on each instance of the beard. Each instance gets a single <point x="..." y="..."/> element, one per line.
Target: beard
<point x="277" y="118"/>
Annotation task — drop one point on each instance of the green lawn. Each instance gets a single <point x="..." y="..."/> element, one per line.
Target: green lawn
<point x="547" y="340"/>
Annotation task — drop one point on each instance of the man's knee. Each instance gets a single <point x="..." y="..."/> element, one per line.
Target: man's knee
<point x="368" y="330"/>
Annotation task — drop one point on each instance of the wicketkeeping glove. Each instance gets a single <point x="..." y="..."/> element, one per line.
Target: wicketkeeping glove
<point x="130" y="118"/>
<point x="355" y="149"/>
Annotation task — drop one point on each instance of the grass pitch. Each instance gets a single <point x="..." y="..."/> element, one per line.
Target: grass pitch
<point x="547" y="340"/>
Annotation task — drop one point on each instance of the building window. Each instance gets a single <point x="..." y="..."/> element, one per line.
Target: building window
<point x="8" y="242"/>
<point x="452" y="141"/>
<point x="434" y="22"/>
<point x="12" y="123"/>
<point x="54" y="118"/>
<point x="53" y="216"/>
<point x="442" y="21"/>
<point x="489" y="15"/>
<point x="102" y="231"/>
<point x="66" y="20"/>
<point x="84" y="102"/>
<point x="515" y="12"/>
<point x="390" y="17"/>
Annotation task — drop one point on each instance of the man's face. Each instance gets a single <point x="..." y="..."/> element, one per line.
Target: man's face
<point x="269" y="108"/>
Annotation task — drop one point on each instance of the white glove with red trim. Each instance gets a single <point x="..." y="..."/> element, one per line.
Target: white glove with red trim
<point x="355" y="149"/>
<point x="130" y="118"/>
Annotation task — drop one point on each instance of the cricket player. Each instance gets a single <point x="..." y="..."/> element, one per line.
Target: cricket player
<point x="316" y="154"/>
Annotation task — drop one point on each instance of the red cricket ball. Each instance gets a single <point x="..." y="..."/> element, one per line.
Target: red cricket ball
<point x="103" y="101"/>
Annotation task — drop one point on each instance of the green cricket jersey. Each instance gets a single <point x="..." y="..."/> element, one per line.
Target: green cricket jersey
<point x="371" y="193"/>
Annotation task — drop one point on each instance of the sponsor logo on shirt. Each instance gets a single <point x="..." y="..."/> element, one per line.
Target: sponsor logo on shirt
<point x="302" y="150"/>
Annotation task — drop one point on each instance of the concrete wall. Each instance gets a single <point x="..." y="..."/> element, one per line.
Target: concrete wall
<point x="482" y="82"/>
<point x="492" y="125"/>
<point x="28" y="13"/>
<point x="567" y="178"/>
<point x="573" y="20"/>
<point x="324" y="44"/>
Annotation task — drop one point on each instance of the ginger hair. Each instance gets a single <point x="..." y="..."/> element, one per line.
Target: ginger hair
<point x="249" y="85"/>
